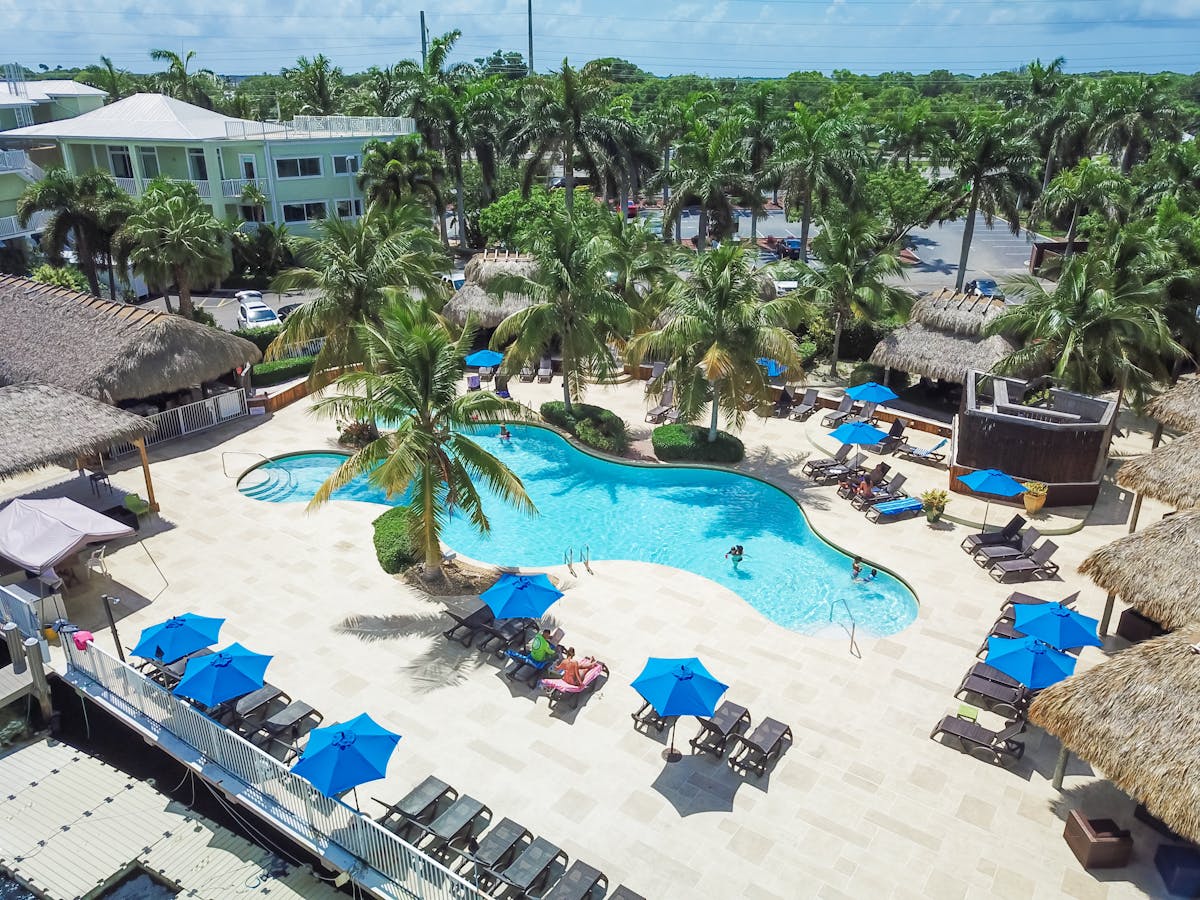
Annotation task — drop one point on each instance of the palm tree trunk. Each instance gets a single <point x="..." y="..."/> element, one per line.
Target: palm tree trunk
<point x="186" y="309"/>
<point x="712" y="422"/>
<point x="569" y="176"/>
<point x="624" y="190"/>
<point x="433" y="547"/>
<point x="754" y="224"/>
<point x="112" y="278"/>
<point x="703" y="228"/>
<point x="837" y="345"/>
<point x="805" y="222"/>
<point x="1049" y="168"/>
<point x="1128" y="156"/>
<point x="87" y="261"/>
<point x="462" y="222"/>
<point x="439" y="212"/>
<point x="1071" y="231"/>
<point x="968" y="233"/>
<point x="566" y="381"/>
<point x="666" y="181"/>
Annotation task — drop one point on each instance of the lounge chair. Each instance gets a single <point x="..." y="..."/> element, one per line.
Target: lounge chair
<point x="473" y="383"/>
<point x="671" y="416"/>
<point x="459" y="820"/>
<point x="1006" y="535"/>
<point x="579" y="882"/>
<point x="1037" y="564"/>
<point x="545" y="371"/>
<point x="986" y="555"/>
<point x="526" y="373"/>
<point x="486" y="374"/>
<point x="833" y="473"/>
<point x="245" y="710"/>
<point x="558" y="688"/>
<point x="531" y="869"/>
<point x="505" y="633"/>
<point x="866" y="414"/>
<point x="493" y="850"/>
<point x="1001" y="629"/>
<point x="665" y="404"/>
<point x="805" y="407"/>
<point x="888" y="444"/>
<point x="919" y="453"/>
<point x="894" y="509"/>
<point x="1016" y="598"/>
<point x="525" y="667"/>
<point x="1001" y="699"/>
<point x="136" y="505"/>
<point x="877" y="477"/>
<point x="997" y="747"/>
<point x="656" y="372"/>
<point x="419" y="805"/>
<point x="784" y="404"/>
<point x="472" y="625"/>
<point x="714" y="733"/>
<point x="754" y="751"/>
<point x="991" y="673"/>
<point x="813" y="465"/>
<point x="894" y="490"/>
<point x="840" y="414"/>
<point x="647" y="716"/>
<point x="624" y="893"/>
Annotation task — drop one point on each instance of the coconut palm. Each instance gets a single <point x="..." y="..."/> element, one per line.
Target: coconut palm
<point x="117" y="83"/>
<point x="354" y="266"/>
<point x="856" y="276"/>
<point x="1088" y="184"/>
<point x="318" y="85"/>
<point x="178" y="82"/>
<point x="1133" y="112"/>
<point x="426" y="457"/>
<point x="77" y="204"/>
<point x="762" y="133"/>
<point x="114" y="212"/>
<point x="402" y="171"/>
<point x="710" y="168"/>
<point x="574" y="301"/>
<point x="716" y="328"/>
<point x="424" y="88"/>
<point x="173" y="238"/>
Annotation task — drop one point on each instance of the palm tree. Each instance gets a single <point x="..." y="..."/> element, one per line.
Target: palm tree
<point x="379" y="94"/>
<point x="762" y="133"/>
<point x="117" y="83"/>
<point x="355" y="267"/>
<point x="1086" y="330"/>
<point x="114" y="212"/>
<point x="818" y="157"/>
<point x="991" y="172"/>
<point x="574" y="301"/>
<point x="403" y="171"/>
<point x="77" y="204"/>
<point x="178" y="82"/>
<point x="855" y="279"/>
<point x="173" y="238"/>
<point x="717" y="327"/>
<point x="426" y="456"/>
<point x="1134" y="111"/>
<point x="911" y="130"/>
<point x="317" y="84"/>
<point x="1088" y="184"/>
<point x="710" y="168"/>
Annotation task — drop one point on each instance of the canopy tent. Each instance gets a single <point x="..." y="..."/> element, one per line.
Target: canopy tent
<point x="38" y="534"/>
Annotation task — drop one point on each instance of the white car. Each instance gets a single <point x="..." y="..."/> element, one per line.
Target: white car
<point x="256" y="314"/>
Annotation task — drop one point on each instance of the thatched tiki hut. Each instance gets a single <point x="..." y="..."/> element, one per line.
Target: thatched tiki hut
<point x="1136" y="718"/>
<point x="476" y="300"/>
<point x="1166" y="474"/>
<point x="1178" y="408"/>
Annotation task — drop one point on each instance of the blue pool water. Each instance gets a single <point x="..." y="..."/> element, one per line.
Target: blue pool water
<point x="682" y="517"/>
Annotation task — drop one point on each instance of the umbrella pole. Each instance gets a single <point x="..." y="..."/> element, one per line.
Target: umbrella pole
<point x="355" y="789"/>
<point x="671" y="754"/>
<point x="986" y="506"/>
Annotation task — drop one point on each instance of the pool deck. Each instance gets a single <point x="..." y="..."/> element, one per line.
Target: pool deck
<point x="862" y="805"/>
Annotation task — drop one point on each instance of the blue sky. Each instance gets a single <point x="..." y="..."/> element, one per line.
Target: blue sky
<point x="730" y="37"/>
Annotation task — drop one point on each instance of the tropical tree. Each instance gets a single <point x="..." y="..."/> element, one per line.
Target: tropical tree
<point x="1133" y="112"/>
<point x="855" y="278"/>
<point x="762" y="132"/>
<point x="402" y="171"/>
<point x="991" y="173"/>
<point x="178" y="82"/>
<point x="355" y="266"/>
<point x="1088" y="184"/>
<point x="317" y="84"/>
<point x="380" y="93"/>
<point x="910" y="130"/>
<point x="113" y="212"/>
<point x="426" y="457"/>
<point x="117" y="83"/>
<point x="173" y="238"/>
<point x="574" y="302"/>
<point x="716" y="328"/>
<point x="710" y="168"/>
<point x="77" y="205"/>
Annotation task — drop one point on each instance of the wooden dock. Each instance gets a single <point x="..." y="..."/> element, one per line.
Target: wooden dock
<point x="13" y="686"/>
<point x="72" y="826"/>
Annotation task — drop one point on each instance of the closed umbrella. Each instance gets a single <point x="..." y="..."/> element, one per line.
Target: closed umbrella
<point x="871" y="392"/>
<point x="346" y="754"/>
<point x="177" y="637"/>
<point x="1032" y="662"/>
<point x="485" y="358"/>
<point x="1056" y="625"/>
<point x="224" y="675"/>
<point x="678" y="687"/>
<point x="857" y="433"/>
<point x="992" y="481"/>
<point x="520" y="596"/>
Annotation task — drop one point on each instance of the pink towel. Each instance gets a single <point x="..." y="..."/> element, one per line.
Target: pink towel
<point x="557" y="684"/>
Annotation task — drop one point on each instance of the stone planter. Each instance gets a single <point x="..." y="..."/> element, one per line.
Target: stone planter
<point x="1033" y="502"/>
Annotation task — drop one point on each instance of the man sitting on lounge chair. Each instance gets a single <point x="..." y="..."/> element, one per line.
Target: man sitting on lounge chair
<point x="541" y="653"/>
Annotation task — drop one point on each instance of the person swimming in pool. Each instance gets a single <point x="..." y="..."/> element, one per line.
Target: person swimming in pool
<point x="505" y="434"/>
<point x="856" y="569"/>
<point x="735" y="555"/>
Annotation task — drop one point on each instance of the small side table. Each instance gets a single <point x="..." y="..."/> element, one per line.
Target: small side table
<point x="97" y="479"/>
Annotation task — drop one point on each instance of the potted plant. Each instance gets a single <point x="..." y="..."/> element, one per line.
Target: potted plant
<point x="1035" y="496"/>
<point x="935" y="504"/>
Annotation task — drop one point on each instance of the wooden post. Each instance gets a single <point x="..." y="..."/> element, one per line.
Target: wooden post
<point x="140" y="443"/>
<point x="16" y="649"/>
<point x="41" y="687"/>
<point x="1060" y="768"/>
<point x="1137" y="501"/>
<point x="1108" y="611"/>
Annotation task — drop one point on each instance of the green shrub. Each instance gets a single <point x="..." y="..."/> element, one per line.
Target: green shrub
<point x="393" y="546"/>
<point x="260" y="337"/>
<point x="690" y="442"/>
<point x="68" y="277"/>
<point x="592" y="425"/>
<point x="204" y="317"/>
<point x="865" y="372"/>
<point x="279" y="370"/>
<point x="808" y="352"/>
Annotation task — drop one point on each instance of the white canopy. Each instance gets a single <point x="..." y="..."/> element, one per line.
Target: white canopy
<point x="37" y="534"/>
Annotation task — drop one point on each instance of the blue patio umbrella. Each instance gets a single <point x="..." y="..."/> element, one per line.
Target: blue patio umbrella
<point x="678" y="687"/>
<point x="1056" y="625"/>
<point x="1032" y="662"/>
<point x="520" y="596"/>
<point x="346" y="754"/>
<point x="177" y="637"/>
<point x="871" y="392"/>
<point x="994" y="482"/>
<point x="485" y="358"/>
<point x="773" y="366"/>
<point x="857" y="433"/>
<point x="223" y="675"/>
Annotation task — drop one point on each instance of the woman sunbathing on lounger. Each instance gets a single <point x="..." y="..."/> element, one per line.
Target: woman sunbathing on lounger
<point x="571" y="670"/>
<point x="864" y="488"/>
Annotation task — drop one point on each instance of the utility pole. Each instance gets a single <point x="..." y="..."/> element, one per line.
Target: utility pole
<point x="425" y="40"/>
<point x="530" y="37"/>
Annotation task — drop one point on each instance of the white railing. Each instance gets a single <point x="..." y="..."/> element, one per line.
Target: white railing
<point x="183" y="420"/>
<point x="129" y="186"/>
<point x="321" y="126"/>
<point x="19" y="161"/>
<point x="10" y="226"/>
<point x="233" y="187"/>
<point x="382" y="863"/>
<point x="305" y="348"/>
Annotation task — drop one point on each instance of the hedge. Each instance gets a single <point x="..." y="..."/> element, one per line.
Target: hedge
<point x="393" y="547"/>
<point x="268" y="373"/>
<point x="592" y="425"/>
<point x="690" y="442"/>
<point x="260" y="337"/>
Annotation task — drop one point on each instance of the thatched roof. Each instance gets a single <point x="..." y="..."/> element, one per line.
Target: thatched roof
<point x="41" y="424"/>
<point x="110" y="351"/>
<point x="1136" y="718"/>
<point x="957" y="313"/>
<point x="486" y="309"/>
<point x="483" y="267"/>
<point x="1166" y="474"/>
<point x="938" y="354"/>
<point x="1154" y="570"/>
<point x="1179" y="407"/>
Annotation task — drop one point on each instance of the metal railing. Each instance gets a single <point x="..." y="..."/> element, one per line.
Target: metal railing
<point x="233" y="187"/>
<point x="19" y="161"/>
<point x="304" y="348"/>
<point x="321" y="126"/>
<point x="193" y="417"/>
<point x="382" y="863"/>
<point x="10" y="226"/>
<point x="852" y="630"/>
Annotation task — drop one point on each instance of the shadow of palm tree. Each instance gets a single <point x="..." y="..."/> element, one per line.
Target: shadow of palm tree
<point x="441" y="664"/>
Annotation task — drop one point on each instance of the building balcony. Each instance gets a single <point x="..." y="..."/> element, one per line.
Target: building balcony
<point x="137" y="186"/>
<point x="233" y="187"/>
<point x="10" y="226"/>
<point x="19" y="161"/>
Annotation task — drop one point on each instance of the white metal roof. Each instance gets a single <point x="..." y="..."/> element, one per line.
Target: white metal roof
<point x="32" y="92"/>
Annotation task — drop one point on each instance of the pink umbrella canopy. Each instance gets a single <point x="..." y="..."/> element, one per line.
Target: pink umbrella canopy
<point x="37" y="534"/>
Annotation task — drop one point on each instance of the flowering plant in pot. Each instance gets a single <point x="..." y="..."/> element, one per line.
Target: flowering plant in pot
<point x="1034" y="496"/>
<point x="935" y="503"/>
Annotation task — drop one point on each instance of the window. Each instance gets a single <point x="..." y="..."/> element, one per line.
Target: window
<point x="304" y="212"/>
<point x="301" y="167"/>
<point x="118" y="159"/>
<point x="197" y="164"/>
<point x="349" y="208"/>
<point x="345" y="164"/>
<point x="251" y="213"/>
<point x="260" y="314"/>
<point x="249" y="166"/>
<point x="148" y="156"/>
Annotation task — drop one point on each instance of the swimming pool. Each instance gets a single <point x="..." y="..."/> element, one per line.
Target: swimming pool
<point x="676" y="516"/>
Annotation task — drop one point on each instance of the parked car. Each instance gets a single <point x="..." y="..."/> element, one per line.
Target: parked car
<point x="243" y="296"/>
<point x="256" y="314"/>
<point x="985" y="287"/>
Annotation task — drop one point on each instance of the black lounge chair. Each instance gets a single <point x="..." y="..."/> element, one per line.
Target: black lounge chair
<point x="987" y="555"/>
<point x="459" y="820"/>
<point x="893" y="510"/>
<point x="922" y="454"/>
<point x="1016" y="598"/>
<point x="1006" y="535"/>
<point x="580" y="882"/>
<point x="997" y="747"/>
<point x="531" y="869"/>
<point x="486" y="374"/>
<point x="805" y="407"/>
<point x="648" y="717"/>
<point x="840" y="414"/>
<point x="893" y="490"/>
<point x="505" y="633"/>
<point x="1001" y="699"/>
<point x="1037" y="564"/>
<point x="714" y="733"/>
<point x="991" y="673"/>
<point x="866" y="414"/>
<point x="833" y="473"/>
<point x="815" y="465"/>
<point x="891" y="441"/>
<point x="494" y="849"/>
<point x="1002" y="629"/>
<point x="472" y="625"/>
<point x="753" y="752"/>
<point x="246" y="709"/>
<point x="418" y="806"/>
<point x="624" y="893"/>
<point x="526" y="373"/>
<point x="877" y="476"/>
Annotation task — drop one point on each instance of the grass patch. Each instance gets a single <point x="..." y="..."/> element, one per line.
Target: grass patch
<point x="690" y="443"/>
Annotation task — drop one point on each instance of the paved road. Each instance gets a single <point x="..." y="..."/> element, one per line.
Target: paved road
<point x="224" y="309"/>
